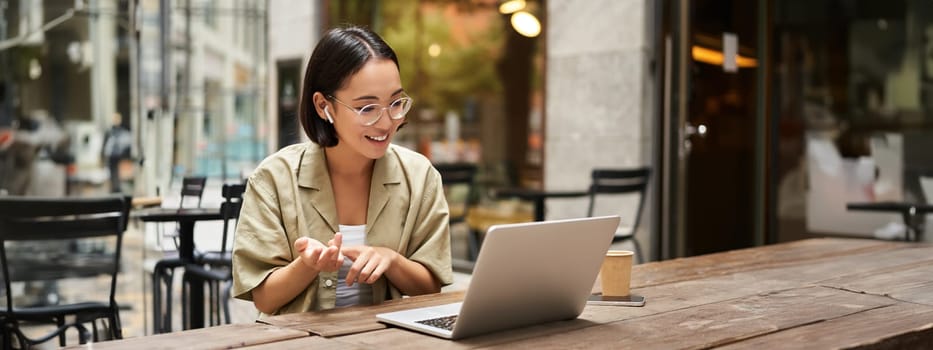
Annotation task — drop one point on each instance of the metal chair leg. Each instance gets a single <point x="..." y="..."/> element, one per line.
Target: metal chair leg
<point x="473" y="244"/>
<point x="156" y="303"/>
<point x="116" y="328"/>
<point x="214" y="310"/>
<point x="83" y="334"/>
<point x="185" y="322"/>
<point x="217" y="306"/>
<point x="226" y="302"/>
<point x="61" y="337"/>
<point x="95" y="334"/>
<point x="162" y="319"/>
<point x="167" y="317"/>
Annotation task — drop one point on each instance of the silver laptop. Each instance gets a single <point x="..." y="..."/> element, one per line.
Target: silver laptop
<point x="525" y="274"/>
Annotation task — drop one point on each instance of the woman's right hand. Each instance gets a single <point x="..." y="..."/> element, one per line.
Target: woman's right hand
<point x="318" y="256"/>
<point x="284" y="284"/>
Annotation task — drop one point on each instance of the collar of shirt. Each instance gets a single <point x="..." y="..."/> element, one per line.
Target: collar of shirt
<point x="387" y="173"/>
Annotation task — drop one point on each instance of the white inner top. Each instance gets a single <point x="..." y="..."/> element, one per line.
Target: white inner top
<point x="359" y="293"/>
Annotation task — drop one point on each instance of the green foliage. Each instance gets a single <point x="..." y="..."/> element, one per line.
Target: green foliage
<point x="462" y="70"/>
<point x="356" y="12"/>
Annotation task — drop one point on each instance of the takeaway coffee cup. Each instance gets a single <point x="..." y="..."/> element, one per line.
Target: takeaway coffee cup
<point x="616" y="273"/>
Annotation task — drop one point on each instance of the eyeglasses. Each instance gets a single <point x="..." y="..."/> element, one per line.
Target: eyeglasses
<point x="370" y="114"/>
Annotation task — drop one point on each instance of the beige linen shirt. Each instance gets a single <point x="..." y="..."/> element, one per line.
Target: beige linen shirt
<point x="290" y="196"/>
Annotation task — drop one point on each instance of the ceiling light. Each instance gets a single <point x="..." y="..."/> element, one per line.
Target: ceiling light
<point x="434" y="50"/>
<point x="716" y="57"/>
<point x="511" y="6"/>
<point x="526" y="24"/>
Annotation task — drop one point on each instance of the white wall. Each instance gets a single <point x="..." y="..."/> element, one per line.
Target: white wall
<point x="104" y="74"/>
<point x="294" y="30"/>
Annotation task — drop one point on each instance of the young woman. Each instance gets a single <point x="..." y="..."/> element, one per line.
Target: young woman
<point x="348" y="218"/>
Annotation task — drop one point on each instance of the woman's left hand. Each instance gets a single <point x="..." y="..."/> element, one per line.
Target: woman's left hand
<point x="369" y="263"/>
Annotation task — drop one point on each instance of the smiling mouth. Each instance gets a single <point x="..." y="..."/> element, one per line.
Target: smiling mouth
<point x="378" y="138"/>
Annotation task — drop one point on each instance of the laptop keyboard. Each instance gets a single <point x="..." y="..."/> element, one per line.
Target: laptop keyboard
<point x="446" y="322"/>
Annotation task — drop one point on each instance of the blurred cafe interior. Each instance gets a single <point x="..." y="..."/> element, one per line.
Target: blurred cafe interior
<point x="759" y="120"/>
<point x="756" y="121"/>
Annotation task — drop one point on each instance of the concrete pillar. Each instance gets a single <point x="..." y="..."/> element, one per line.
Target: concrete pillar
<point x="293" y="33"/>
<point x="598" y="105"/>
<point x="104" y="74"/>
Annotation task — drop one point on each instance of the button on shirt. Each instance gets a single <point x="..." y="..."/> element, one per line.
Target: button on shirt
<point x="290" y="196"/>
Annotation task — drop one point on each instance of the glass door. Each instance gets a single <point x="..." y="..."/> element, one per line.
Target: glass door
<point x="712" y="168"/>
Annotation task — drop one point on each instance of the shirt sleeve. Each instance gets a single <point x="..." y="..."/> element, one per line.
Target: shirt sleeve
<point x="261" y="245"/>
<point x="433" y="231"/>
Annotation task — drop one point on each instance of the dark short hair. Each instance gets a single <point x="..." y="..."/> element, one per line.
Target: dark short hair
<point x="341" y="53"/>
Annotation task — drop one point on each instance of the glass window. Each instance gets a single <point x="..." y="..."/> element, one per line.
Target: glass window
<point x="852" y="86"/>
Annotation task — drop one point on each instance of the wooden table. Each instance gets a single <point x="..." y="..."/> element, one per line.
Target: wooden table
<point x="146" y="202"/>
<point x="220" y="337"/>
<point x="813" y="294"/>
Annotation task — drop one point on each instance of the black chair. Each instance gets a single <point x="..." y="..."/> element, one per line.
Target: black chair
<point x="460" y="175"/>
<point x="192" y="188"/>
<point x="619" y="182"/>
<point x="93" y="228"/>
<point x="163" y="273"/>
<point x="215" y="268"/>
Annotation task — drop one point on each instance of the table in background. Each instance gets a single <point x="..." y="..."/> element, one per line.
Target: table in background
<point x="814" y="294"/>
<point x="912" y="213"/>
<point x="186" y="218"/>
<point x="146" y="202"/>
<point x="538" y="197"/>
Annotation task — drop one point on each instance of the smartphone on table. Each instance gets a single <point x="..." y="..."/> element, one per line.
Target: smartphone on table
<point x="628" y="300"/>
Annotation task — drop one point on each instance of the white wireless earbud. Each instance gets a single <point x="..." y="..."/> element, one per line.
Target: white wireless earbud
<point x="327" y="114"/>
